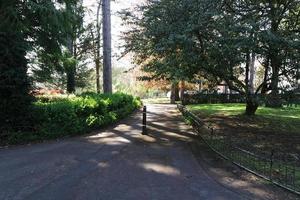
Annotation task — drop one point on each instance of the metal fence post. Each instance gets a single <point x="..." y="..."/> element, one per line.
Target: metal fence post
<point x="212" y="140"/>
<point x="144" y="120"/>
<point x="295" y="171"/>
<point x="271" y="165"/>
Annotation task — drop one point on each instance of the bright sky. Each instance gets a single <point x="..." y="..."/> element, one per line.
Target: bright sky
<point x="117" y="28"/>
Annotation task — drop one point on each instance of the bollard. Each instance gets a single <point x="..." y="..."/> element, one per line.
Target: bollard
<point x="144" y="121"/>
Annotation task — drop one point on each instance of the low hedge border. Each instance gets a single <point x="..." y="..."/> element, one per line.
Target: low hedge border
<point x="69" y="116"/>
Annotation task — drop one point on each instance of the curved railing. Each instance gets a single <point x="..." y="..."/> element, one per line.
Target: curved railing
<point x="280" y="168"/>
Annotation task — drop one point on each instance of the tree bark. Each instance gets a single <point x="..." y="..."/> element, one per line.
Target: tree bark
<point x="274" y="100"/>
<point x="251" y="102"/>
<point x="98" y="41"/>
<point x="182" y="89"/>
<point x="264" y="88"/>
<point x="177" y="98"/>
<point x="107" y="70"/>
<point x="15" y="100"/>
<point x="173" y="91"/>
<point x="252" y="73"/>
<point x="247" y="71"/>
<point x="251" y="105"/>
<point x="71" y="70"/>
<point x="298" y="79"/>
<point x="98" y="76"/>
<point x="71" y="80"/>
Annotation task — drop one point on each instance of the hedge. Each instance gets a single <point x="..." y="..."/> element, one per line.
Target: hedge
<point x="56" y="117"/>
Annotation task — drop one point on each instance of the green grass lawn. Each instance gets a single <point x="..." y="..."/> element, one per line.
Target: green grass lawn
<point x="286" y="119"/>
<point x="239" y="109"/>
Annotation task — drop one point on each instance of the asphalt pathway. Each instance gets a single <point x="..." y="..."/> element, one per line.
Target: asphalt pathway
<point x="117" y="163"/>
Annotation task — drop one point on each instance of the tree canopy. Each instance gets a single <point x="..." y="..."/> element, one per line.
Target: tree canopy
<point x="219" y="40"/>
<point x="25" y="26"/>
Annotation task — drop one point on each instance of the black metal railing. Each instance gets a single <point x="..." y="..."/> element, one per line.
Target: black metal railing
<point x="282" y="169"/>
<point x="288" y="99"/>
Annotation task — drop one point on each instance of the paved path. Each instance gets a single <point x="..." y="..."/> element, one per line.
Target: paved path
<point x="115" y="164"/>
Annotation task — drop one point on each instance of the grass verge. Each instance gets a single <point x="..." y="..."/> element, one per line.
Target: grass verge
<point x="270" y="128"/>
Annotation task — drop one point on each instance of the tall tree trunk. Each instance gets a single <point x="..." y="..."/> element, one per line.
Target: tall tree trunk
<point x="71" y="70"/>
<point x="14" y="83"/>
<point x="251" y="102"/>
<point x="275" y="72"/>
<point x="182" y="89"/>
<point x="173" y="91"/>
<point x="71" y="79"/>
<point x="247" y="71"/>
<point x="177" y="98"/>
<point x="252" y="73"/>
<point x="107" y="71"/>
<point x="251" y="105"/>
<point x="298" y="79"/>
<point x="274" y="100"/>
<point x="71" y="45"/>
<point x="264" y="88"/>
<point x="98" y="76"/>
<point x="98" y="42"/>
<point x="200" y="86"/>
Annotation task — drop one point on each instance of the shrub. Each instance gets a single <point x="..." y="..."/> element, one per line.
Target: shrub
<point x="58" y="117"/>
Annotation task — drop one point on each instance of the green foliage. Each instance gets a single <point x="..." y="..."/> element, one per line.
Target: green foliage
<point x="65" y="116"/>
<point x="215" y="38"/>
<point x="69" y="63"/>
<point x="65" y="67"/>
<point x="14" y="83"/>
<point x="25" y="26"/>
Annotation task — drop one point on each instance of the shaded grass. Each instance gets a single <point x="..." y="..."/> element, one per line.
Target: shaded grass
<point x="276" y="129"/>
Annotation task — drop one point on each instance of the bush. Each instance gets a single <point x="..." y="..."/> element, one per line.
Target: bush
<point x="57" y="117"/>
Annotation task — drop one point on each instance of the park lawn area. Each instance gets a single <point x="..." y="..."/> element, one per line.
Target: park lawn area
<point x="269" y="128"/>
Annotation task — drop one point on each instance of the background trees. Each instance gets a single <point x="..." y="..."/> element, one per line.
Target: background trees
<point x="66" y="68"/>
<point x="220" y="40"/>
<point x="26" y="25"/>
<point x="48" y="43"/>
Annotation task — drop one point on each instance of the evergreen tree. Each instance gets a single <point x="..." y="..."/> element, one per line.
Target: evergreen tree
<point x="66" y="66"/>
<point x="24" y="25"/>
